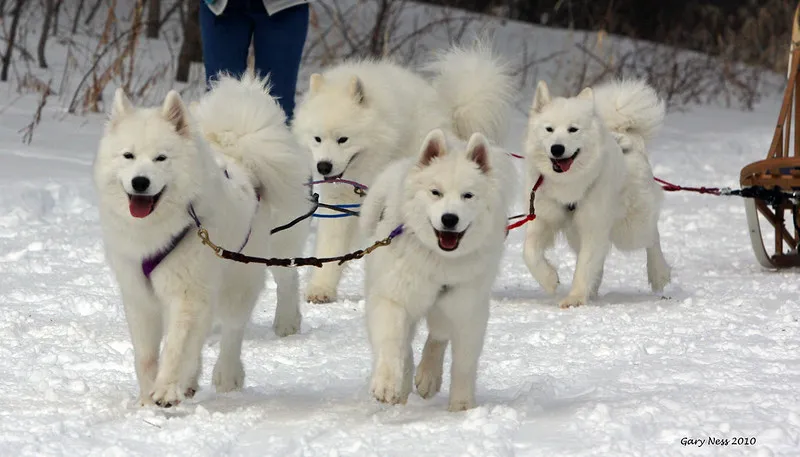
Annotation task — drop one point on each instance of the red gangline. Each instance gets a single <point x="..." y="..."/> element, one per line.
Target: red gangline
<point x="669" y="187"/>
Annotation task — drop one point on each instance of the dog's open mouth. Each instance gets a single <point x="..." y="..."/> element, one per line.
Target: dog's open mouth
<point x="143" y="205"/>
<point x="339" y="176"/>
<point x="448" y="240"/>
<point x="562" y="165"/>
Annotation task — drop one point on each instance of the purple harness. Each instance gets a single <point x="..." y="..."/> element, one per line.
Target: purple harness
<point x="150" y="263"/>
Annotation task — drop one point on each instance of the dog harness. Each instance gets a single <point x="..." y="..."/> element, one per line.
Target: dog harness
<point x="150" y="263"/>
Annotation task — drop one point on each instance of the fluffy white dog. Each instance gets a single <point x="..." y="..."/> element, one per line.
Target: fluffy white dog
<point x="452" y="203"/>
<point x="358" y="117"/>
<point x="596" y="182"/>
<point x="156" y="179"/>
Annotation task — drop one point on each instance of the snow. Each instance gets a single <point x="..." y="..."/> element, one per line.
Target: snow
<point x="631" y="374"/>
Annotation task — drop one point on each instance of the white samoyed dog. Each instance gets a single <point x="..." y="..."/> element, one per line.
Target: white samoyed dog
<point x="156" y="178"/>
<point x="359" y="116"/>
<point x="596" y="184"/>
<point x="452" y="202"/>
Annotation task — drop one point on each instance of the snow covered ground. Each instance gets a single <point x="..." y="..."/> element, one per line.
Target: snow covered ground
<point x="634" y="374"/>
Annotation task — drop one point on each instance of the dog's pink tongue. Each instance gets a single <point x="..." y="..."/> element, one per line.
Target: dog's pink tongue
<point x="448" y="240"/>
<point x="564" y="164"/>
<point x="141" y="206"/>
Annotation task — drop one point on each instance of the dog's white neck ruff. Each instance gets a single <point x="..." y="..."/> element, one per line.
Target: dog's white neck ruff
<point x="151" y="262"/>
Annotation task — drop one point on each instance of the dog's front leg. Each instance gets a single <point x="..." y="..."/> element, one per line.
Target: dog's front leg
<point x="468" y="311"/>
<point x="658" y="270"/>
<point x="539" y="237"/>
<point x="595" y="242"/>
<point x="188" y="323"/>
<point x="428" y="377"/>
<point x="286" y="244"/>
<point x="390" y="330"/>
<point x="143" y="315"/>
<point x="334" y="238"/>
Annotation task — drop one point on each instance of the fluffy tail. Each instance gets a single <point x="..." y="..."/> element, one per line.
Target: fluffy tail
<point x="630" y="107"/>
<point x="241" y="119"/>
<point x="478" y="89"/>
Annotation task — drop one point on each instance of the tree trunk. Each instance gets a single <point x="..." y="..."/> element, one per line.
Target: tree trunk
<point x="49" y="10"/>
<point x="192" y="48"/>
<point x="77" y="17"/>
<point x="56" y="15"/>
<point x="92" y="12"/>
<point x="12" y="38"/>
<point x="2" y="8"/>
<point x="153" y="18"/>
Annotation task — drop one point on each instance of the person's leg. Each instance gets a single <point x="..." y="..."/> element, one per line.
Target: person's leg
<point x="226" y="39"/>
<point x="278" y="41"/>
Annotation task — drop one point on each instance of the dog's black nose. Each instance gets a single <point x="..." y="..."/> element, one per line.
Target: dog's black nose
<point x="449" y="220"/>
<point x="140" y="183"/>
<point x="557" y="150"/>
<point x="324" y="167"/>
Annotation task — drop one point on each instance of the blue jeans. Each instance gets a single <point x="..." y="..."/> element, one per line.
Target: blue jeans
<point x="278" y="42"/>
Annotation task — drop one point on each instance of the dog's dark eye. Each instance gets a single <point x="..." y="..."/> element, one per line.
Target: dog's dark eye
<point x="161" y="158"/>
<point x="467" y="195"/>
<point x="436" y="193"/>
<point x="572" y="129"/>
<point x="549" y="129"/>
<point x="342" y="140"/>
<point x="318" y="139"/>
<point x="128" y="155"/>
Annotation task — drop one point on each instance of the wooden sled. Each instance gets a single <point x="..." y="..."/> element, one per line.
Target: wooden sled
<point x="781" y="169"/>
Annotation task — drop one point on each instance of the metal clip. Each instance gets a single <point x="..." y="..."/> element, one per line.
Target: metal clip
<point x="203" y="234"/>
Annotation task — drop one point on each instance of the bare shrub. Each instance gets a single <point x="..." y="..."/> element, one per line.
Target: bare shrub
<point x="33" y="83"/>
<point x="124" y="42"/>
<point x="379" y="28"/>
<point x="681" y="77"/>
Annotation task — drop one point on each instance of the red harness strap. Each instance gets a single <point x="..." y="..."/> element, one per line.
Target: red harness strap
<point x="531" y="212"/>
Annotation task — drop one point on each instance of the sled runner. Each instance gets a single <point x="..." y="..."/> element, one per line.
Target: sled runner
<point x="781" y="169"/>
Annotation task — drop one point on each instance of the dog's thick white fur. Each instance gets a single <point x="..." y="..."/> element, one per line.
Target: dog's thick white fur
<point x="359" y="116"/>
<point x="452" y="201"/>
<point x="152" y="165"/>
<point x="240" y="120"/>
<point x="597" y="186"/>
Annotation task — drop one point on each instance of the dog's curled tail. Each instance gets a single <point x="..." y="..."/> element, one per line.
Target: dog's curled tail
<point x="477" y="87"/>
<point x="630" y="107"/>
<point x="242" y="118"/>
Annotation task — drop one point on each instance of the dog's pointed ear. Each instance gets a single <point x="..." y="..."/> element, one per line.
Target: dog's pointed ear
<point x="315" y="83"/>
<point x="434" y="146"/>
<point x="586" y="94"/>
<point x="478" y="151"/>
<point x="122" y="104"/>
<point x="357" y="90"/>
<point x="541" y="98"/>
<point x="174" y="111"/>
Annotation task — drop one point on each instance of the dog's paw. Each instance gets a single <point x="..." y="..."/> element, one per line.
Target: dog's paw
<point x="547" y="277"/>
<point x="387" y="386"/>
<point x="319" y="294"/>
<point x="460" y="404"/>
<point x="572" y="301"/>
<point x="428" y="382"/>
<point x="659" y="279"/>
<point x="167" y="395"/>
<point x="190" y="392"/>
<point x="228" y="375"/>
<point x="144" y="400"/>
<point x="285" y="326"/>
